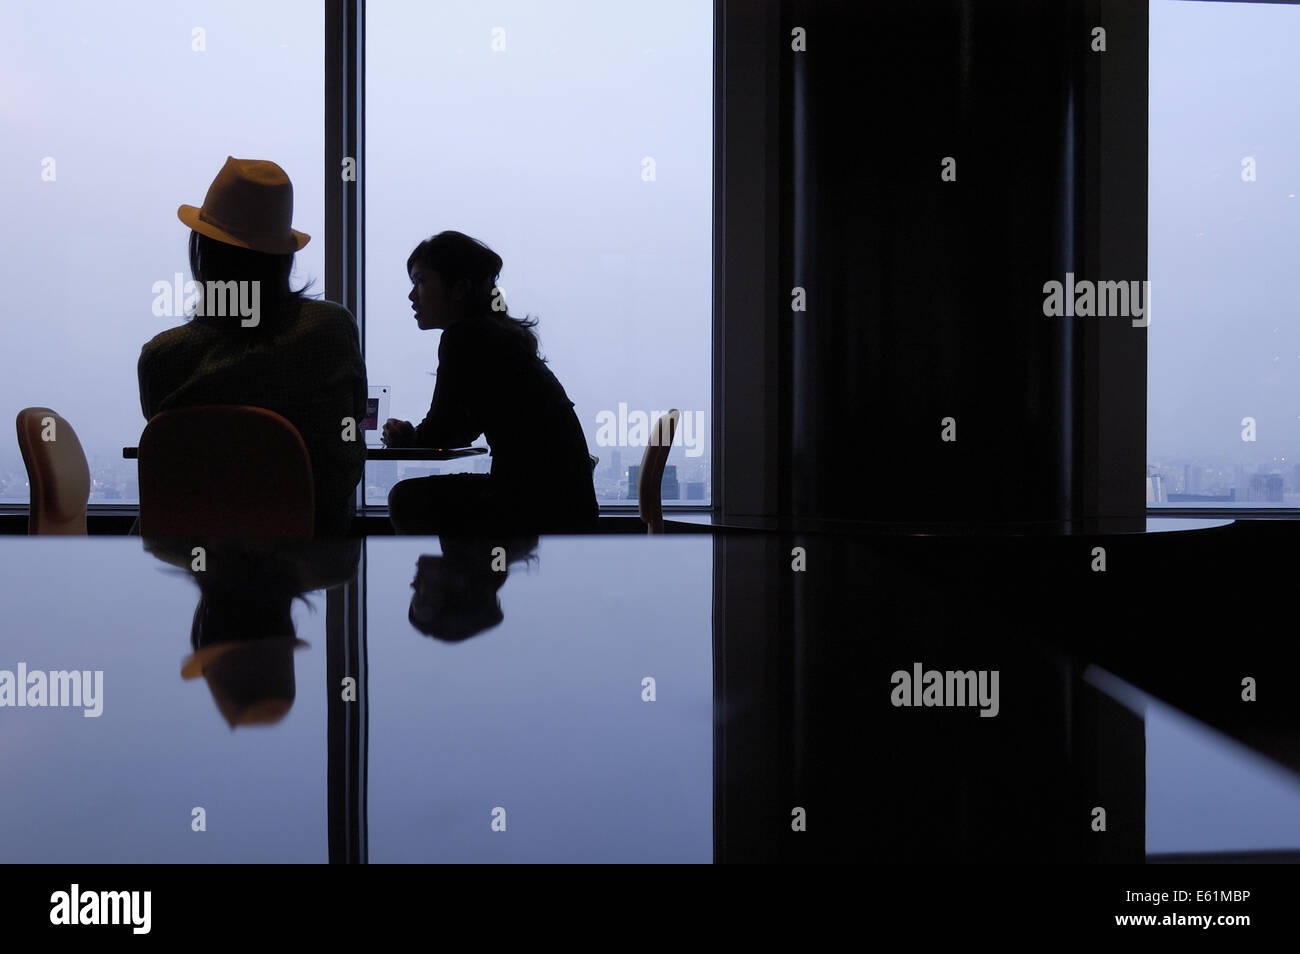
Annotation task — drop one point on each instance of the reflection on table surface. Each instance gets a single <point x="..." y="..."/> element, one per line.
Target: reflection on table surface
<point x="488" y="678"/>
<point x="695" y="697"/>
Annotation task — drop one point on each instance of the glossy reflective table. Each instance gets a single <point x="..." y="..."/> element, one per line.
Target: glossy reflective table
<point x="725" y="697"/>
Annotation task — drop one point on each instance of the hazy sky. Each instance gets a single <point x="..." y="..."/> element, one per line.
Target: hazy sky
<point x="1224" y="335"/>
<point x="137" y="123"/>
<point x="536" y="149"/>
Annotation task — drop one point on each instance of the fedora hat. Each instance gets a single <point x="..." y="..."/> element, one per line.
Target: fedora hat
<point x="251" y="680"/>
<point x="249" y="204"/>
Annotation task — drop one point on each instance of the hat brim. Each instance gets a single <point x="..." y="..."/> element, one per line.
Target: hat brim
<point x="189" y="214"/>
<point x="193" y="664"/>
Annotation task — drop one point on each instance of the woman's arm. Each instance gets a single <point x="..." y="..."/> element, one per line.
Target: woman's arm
<point x="453" y="419"/>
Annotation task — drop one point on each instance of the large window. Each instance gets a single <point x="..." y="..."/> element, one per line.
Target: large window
<point x="112" y="115"/>
<point x="1224" y="361"/>
<point x="575" y="139"/>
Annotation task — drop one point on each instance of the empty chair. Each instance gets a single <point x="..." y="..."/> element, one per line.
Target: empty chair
<point x="56" y="471"/>
<point x="650" y="481"/>
<point x="224" y="471"/>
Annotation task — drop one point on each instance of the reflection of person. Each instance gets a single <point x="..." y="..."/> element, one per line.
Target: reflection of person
<point x="455" y="595"/>
<point x="243" y="634"/>
<point x="491" y="381"/>
<point x="297" y="357"/>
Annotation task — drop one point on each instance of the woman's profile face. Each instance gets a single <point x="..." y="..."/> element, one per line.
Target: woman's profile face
<point x="430" y="299"/>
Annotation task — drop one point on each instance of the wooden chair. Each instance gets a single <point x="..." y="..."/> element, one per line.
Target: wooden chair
<point x="56" y="471"/>
<point x="649" y="491"/>
<point x="225" y="471"/>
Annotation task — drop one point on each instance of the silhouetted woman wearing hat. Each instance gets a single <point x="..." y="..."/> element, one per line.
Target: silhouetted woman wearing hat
<point x="297" y="357"/>
<point x="491" y="381"/>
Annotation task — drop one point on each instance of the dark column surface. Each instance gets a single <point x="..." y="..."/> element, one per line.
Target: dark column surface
<point x="924" y="296"/>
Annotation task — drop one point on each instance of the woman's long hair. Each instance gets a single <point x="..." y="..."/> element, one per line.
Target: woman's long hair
<point x="456" y="256"/>
<point x="214" y="261"/>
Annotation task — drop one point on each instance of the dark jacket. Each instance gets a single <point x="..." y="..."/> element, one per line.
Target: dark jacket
<point x="491" y="384"/>
<point x="304" y="364"/>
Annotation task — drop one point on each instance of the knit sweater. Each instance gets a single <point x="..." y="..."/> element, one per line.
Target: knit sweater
<point x="303" y="363"/>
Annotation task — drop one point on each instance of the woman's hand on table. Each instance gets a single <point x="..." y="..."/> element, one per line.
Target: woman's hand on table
<point x="398" y="433"/>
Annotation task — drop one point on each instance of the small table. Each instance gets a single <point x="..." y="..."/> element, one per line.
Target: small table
<point x="384" y="453"/>
<point x="422" y="453"/>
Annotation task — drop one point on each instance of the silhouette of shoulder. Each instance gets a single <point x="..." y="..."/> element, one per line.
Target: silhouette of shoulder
<point x="208" y="362"/>
<point x="316" y="321"/>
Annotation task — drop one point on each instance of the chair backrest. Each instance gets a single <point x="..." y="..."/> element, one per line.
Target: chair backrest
<point x="225" y="471"/>
<point x="649" y="492"/>
<point x="56" y="471"/>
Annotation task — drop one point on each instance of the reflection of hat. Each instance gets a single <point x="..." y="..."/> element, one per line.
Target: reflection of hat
<point x="249" y="204"/>
<point x="251" y="680"/>
<point x="243" y="632"/>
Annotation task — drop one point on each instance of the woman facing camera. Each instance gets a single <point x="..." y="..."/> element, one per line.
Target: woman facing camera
<point x="253" y="340"/>
<point x="491" y="381"/>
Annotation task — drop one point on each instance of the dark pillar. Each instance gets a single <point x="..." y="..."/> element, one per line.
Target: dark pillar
<point x="925" y="296"/>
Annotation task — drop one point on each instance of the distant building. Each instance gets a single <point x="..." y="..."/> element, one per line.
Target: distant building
<point x="1264" y="488"/>
<point x="695" y="489"/>
<point x="384" y="473"/>
<point x="1156" y="489"/>
<point x="669" y="488"/>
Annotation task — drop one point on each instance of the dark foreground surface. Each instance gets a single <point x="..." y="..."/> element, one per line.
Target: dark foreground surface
<point x="740" y="696"/>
